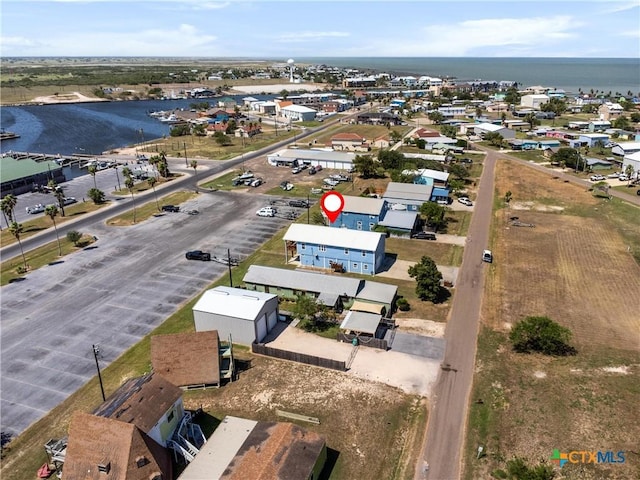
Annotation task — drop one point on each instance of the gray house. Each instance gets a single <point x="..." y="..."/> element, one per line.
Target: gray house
<point x="245" y="316"/>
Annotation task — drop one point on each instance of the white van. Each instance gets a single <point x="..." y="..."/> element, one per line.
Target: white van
<point x="487" y="256"/>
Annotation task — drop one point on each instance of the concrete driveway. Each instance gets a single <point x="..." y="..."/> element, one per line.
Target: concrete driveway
<point x="112" y="294"/>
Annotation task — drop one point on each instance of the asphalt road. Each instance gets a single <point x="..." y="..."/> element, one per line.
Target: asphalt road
<point x="450" y="398"/>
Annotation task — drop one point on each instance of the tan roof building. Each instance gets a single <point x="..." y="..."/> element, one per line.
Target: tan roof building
<point x="188" y="359"/>
<point x="104" y="449"/>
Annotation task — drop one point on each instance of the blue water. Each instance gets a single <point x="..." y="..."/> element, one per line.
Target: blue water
<point x="569" y="74"/>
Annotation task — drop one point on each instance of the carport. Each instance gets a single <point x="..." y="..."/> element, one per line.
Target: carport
<point x="361" y="323"/>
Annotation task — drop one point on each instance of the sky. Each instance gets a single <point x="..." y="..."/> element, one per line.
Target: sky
<point x="328" y="28"/>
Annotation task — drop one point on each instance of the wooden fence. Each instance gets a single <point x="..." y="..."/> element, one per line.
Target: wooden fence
<point x="262" y="349"/>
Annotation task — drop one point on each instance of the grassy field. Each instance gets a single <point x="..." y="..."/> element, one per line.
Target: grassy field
<point x="146" y="210"/>
<point x="576" y="267"/>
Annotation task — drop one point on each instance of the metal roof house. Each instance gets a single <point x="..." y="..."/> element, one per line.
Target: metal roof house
<point x="360" y="213"/>
<point x="326" y="158"/>
<point x="242" y="449"/>
<point x="411" y="195"/>
<point x="332" y="290"/>
<point x="298" y="113"/>
<point x="337" y="248"/>
<point x="244" y="316"/>
<point x="483" y="128"/>
<point x="428" y="176"/>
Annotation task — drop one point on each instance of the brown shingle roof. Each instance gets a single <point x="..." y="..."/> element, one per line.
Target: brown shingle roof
<point x="424" y="133"/>
<point x="342" y="137"/>
<point x="187" y="358"/>
<point x="121" y="447"/>
<point x="141" y="401"/>
<point x="282" y="451"/>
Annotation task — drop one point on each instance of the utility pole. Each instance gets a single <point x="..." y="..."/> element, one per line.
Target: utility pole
<point x="96" y="351"/>
<point x="229" y="264"/>
<point x="186" y="162"/>
<point x="308" y="208"/>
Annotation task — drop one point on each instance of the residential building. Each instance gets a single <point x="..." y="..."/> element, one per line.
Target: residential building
<point x="483" y="128"/>
<point x="411" y="196"/>
<point x="436" y="178"/>
<point x="333" y="290"/>
<point x="350" y="142"/>
<point x="632" y="159"/>
<point x="298" y="113"/>
<point x="610" y="111"/>
<point x="193" y="359"/>
<point x="336" y="248"/>
<point x="379" y="118"/>
<point x="244" y="317"/>
<point x="360" y="213"/>
<point x="534" y="101"/>
<point x="242" y="449"/>
<point x="625" y="148"/>
<point x="593" y="139"/>
<point x="598" y="125"/>
<point x="399" y="222"/>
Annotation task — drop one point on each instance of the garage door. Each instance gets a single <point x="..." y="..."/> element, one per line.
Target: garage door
<point x="272" y="320"/>
<point x="262" y="328"/>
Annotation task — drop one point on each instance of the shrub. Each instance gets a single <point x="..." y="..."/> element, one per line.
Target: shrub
<point x="543" y="335"/>
<point x="403" y="305"/>
<point x="74" y="237"/>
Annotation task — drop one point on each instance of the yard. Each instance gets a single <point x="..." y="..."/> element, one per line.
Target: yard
<point x="576" y="267"/>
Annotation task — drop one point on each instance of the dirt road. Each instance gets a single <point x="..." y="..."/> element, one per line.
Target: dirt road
<point x="447" y="416"/>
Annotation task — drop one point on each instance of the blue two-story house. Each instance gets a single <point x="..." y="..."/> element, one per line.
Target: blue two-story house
<point x="352" y="251"/>
<point x="361" y="213"/>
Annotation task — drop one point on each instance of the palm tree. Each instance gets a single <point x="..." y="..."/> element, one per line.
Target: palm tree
<point x="152" y="182"/>
<point x="194" y="165"/>
<point x="92" y="169"/>
<point x="59" y="194"/>
<point x="51" y="211"/>
<point x="16" y="230"/>
<point x="129" y="184"/>
<point x="8" y="205"/>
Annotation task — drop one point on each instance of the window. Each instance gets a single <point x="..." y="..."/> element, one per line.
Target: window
<point x="365" y="267"/>
<point x="322" y="248"/>
<point x="355" y="266"/>
<point x="364" y="254"/>
<point x="141" y="461"/>
<point x="303" y="246"/>
<point x="346" y="251"/>
<point x="170" y="416"/>
<point x="371" y="225"/>
<point x="359" y="225"/>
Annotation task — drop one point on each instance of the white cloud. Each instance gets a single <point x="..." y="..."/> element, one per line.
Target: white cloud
<point x="615" y="7"/>
<point x="630" y="33"/>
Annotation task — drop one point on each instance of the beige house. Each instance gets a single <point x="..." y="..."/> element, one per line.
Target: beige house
<point x="351" y="142"/>
<point x="610" y="111"/>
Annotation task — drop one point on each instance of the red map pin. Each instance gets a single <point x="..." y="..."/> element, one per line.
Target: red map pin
<point x="332" y="204"/>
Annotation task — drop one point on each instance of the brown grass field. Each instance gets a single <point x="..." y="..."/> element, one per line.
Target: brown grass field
<point x="575" y="267"/>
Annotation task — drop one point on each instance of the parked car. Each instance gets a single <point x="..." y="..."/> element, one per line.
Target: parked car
<point x="298" y="203"/>
<point x="198" y="255"/>
<point x="69" y="200"/>
<point x="623" y="178"/>
<point x="597" y="178"/>
<point x="487" y="256"/>
<point x="266" y="212"/>
<point x="465" y="201"/>
<point x="424" y="235"/>
<point x="246" y="175"/>
<point x="638" y="192"/>
<point x="331" y="181"/>
<point x="614" y="175"/>
<point x="286" y="186"/>
<point x="351" y="170"/>
<point x="170" y="208"/>
<point x="318" y="168"/>
<point x="38" y="208"/>
<point x="316" y="191"/>
<point x="312" y="171"/>
<point x="295" y="170"/>
<point x="256" y="182"/>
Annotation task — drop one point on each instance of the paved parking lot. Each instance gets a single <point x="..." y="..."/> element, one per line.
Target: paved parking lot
<point x="112" y="294"/>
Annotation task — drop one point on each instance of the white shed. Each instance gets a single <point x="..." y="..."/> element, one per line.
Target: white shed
<point x="245" y="315"/>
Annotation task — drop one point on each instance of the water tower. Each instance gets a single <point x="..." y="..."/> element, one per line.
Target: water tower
<point x="290" y="63"/>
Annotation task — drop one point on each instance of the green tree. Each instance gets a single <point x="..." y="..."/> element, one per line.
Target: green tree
<point x="555" y="105"/>
<point x="541" y="334"/>
<point x="436" y="117"/>
<point x="428" y="279"/>
<point x="93" y="169"/>
<point x="458" y="171"/>
<point x="390" y="159"/>
<point x="456" y="185"/>
<point x="74" y="237"/>
<point x="622" y="123"/>
<point x="8" y="206"/>
<point x="512" y="96"/>
<point x="152" y="183"/>
<point x="434" y="214"/>
<point x="96" y="195"/>
<point x="194" y="165"/>
<point x="395" y="136"/>
<point x="365" y="166"/>
<point x="629" y="171"/>
<point x="51" y="211"/>
<point x="531" y="119"/>
<point x="58" y="193"/>
<point x="507" y="196"/>
<point x="305" y="309"/>
<point x="567" y="156"/>
<point x="16" y="230"/>
<point x="449" y="131"/>
<point x="517" y="469"/>
<point x="129" y="184"/>
<point x="494" y="138"/>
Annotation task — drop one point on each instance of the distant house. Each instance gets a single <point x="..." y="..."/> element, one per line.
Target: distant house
<point x="632" y="159"/>
<point x="598" y="164"/>
<point x="400" y="222"/>
<point x="227" y="103"/>
<point x="193" y="359"/>
<point x="599" y="125"/>
<point x="332" y="248"/>
<point x="298" y="113"/>
<point x="534" y="101"/>
<point x="409" y="195"/>
<point x="249" y="130"/>
<point x="428" y="176"/>
<point x="350" y="141"/>
<point x="378" y="118"/>
<point x="332" y="290"/>
<point x="383" y="141"/>
<point x="360" y="213"/>
<point x="246" y="317"/>
<point x="483" y="128"/>
<point x="242" y="449"/>
<point x="625" y="148"/>
<point x="610" y="111"/>
<point x="593" y="139"/>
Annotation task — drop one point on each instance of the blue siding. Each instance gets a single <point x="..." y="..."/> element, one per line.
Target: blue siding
<point x="353" y="260"/>
<point x="356" y="221"/>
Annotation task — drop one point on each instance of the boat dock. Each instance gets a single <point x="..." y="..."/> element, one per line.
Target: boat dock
<point x="82" y="161"/>
<point x="4" y="135"/>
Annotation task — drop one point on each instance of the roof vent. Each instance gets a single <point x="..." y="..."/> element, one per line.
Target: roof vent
<point x="104" y="467"/>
